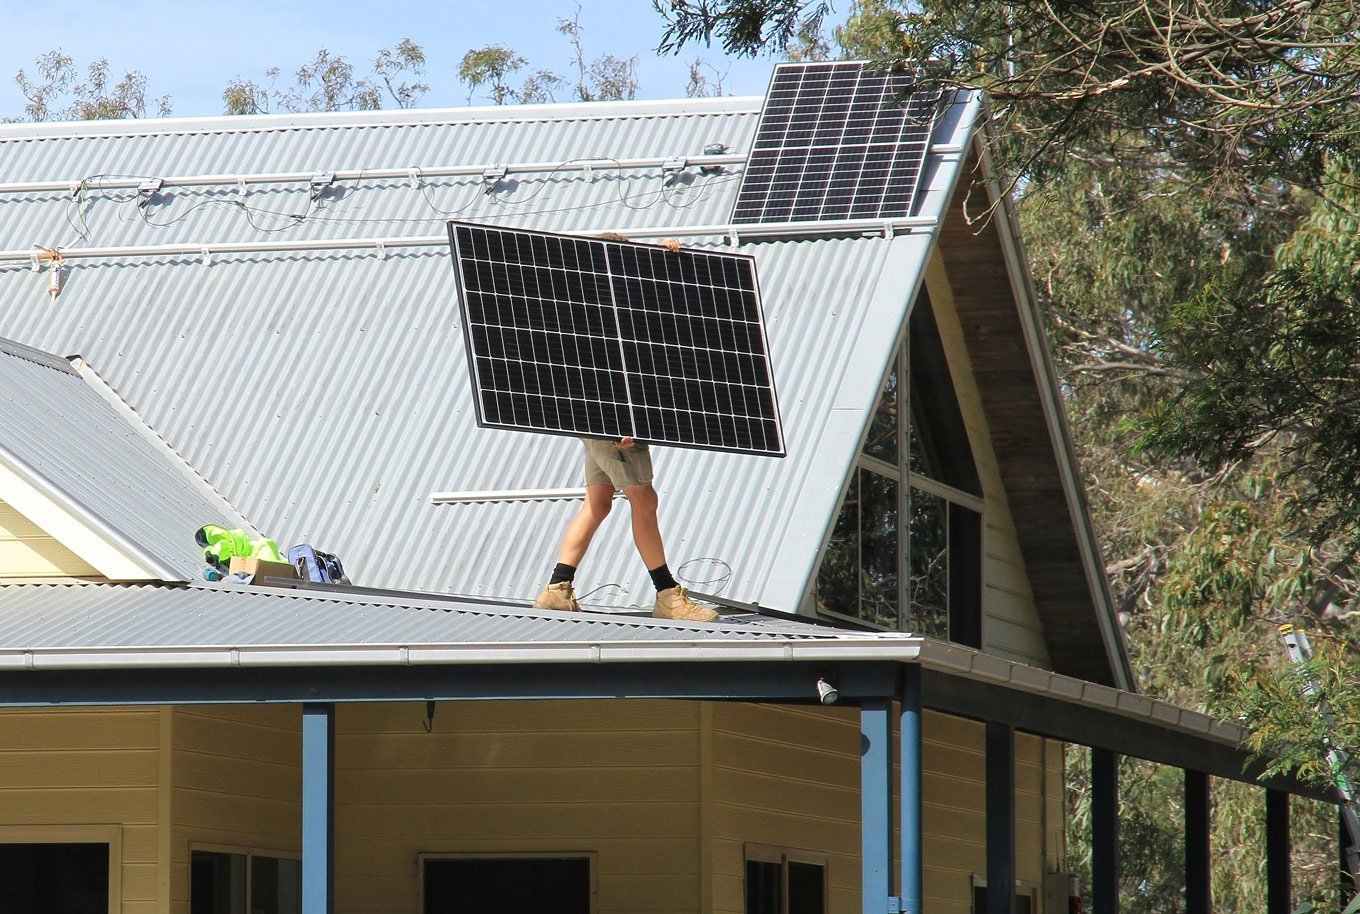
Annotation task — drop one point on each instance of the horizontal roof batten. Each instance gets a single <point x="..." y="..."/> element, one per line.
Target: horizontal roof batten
<point x="505" y="495"/>
<point x="413" y="172"/>
<point x="809" y="229"/>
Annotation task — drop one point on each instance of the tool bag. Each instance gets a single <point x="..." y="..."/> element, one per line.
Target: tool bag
<point x="314" y="565"/>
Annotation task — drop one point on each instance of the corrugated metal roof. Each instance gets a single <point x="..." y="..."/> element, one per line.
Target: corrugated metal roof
<point x="60" y="431"/>
<point x="325" y="394"/>
<point x="556" y="200"/>
<point x="78" y="615"/>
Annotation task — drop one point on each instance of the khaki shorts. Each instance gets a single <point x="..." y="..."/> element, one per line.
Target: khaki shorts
<point x="609" y="465"/>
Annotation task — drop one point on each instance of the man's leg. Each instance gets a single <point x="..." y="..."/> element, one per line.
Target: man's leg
<point x="560" y="593"/>
<point x="671" y="600"/>
<point x="646" y="530"/>
<point x="581" y="530"/>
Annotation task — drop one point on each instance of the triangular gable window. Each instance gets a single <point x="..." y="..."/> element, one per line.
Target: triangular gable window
<point x="870" y="569"/>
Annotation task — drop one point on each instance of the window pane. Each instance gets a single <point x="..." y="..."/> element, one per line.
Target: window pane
<point x="1023" y="902"/>
<point x="965" y="576"/>
<point x="881" y="442"/>
<point x="929" y="582"/>
<point x="838" y="576"/>
<point x="43" y="878"/>
<point x="217" y="883"/>
<point x="762" y="887"/>
<point x="939" y="445"/>
<point x="275" y="886"/>
<point x="507" y="885"/>
<point x="807" y="888"/>
<point x="878" y="549"/>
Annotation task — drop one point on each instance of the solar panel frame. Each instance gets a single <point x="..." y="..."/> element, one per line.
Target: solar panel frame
<point x="589" y="337"/>
<point x="832" y="144"/>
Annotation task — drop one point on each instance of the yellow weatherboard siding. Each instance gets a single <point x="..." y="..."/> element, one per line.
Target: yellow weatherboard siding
<point x="619" y="779"/>
<point x="236" y="773"/>
<point x="83" y="767"/>
<point x="789" y="777"/>
<point x="1011" y="626"/>
<point x="26" y="551"/>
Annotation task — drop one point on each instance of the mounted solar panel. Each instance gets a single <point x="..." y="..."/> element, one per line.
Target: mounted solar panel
<point x="610" y="339"/>
<point x="837" y="141"/>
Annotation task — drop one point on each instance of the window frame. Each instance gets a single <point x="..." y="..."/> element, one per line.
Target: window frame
<point x="906" y="479"/>
<point x="1022" y="887"/>
<point x="773" y="853"/>
<point x="247" y="851"/>
<point x="112" y="835"/>
<point x="591" y="857"/>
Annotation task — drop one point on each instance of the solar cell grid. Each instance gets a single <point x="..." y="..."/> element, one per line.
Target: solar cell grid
<point x="836" y="141"/>
<point x="610" y="339"/>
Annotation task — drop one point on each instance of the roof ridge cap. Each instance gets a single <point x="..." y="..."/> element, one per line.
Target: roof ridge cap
<point x="393" y="117"/>
<point x="37" y="356"/>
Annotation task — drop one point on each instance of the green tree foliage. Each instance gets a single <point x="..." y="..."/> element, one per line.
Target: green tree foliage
<point x="328" y="82"/>
<point x="603" y="78"/>
<point x="490" y="67"/>
<point x="1273" y="367"/>
<point x="56" y="90"/>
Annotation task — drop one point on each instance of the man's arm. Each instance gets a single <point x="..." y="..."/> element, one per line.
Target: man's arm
<point x="670" y="244"/>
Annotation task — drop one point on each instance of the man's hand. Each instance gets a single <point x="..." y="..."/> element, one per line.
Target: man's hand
<point x="671" y="244"/>
<point x="624" y="444"/>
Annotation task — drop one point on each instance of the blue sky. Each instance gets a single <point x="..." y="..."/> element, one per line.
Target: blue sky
<point x="190" y="50"/>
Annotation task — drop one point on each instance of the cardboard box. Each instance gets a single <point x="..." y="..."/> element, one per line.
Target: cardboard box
<point x="259" y="570"/>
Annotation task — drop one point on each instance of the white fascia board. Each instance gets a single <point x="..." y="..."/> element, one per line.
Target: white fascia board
<point x="60" y="518"/>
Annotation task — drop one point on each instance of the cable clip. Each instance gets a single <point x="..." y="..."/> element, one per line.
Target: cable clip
<point x="491" y="177"/>
<point x="148" y="189"/>
<point x="207" y="257"/>
<point x="319" y="182"/>
<point x="672" y="168"/>
<point x="713" y="149"/>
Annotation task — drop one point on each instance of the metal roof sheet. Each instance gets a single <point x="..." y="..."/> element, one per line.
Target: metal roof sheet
<point x="324" y="393"/>
<point x="89" y="616"/>
<point x="563" y="199"/>
<point x="65" y="432"/>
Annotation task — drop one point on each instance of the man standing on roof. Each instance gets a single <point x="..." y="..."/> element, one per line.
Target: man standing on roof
<point x="624" y="465"/>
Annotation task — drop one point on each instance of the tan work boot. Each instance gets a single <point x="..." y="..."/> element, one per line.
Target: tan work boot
<point x="674" y="603"/>
<point x="558" y="596"/>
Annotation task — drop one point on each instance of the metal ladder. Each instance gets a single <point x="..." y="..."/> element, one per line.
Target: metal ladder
<point x="1297" y="647"/>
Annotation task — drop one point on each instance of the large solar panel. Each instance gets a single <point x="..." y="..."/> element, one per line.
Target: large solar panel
<point x="610" y="339"/>
<point x="837" y="141"/>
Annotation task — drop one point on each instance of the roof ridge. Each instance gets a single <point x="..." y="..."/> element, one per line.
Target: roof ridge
<point x="85" y="371"/>
<point x="37" y="356"/>
<point x="396" y="117"/>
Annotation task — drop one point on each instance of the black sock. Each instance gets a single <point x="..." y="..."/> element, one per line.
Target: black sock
<point x="661" y="578"/>
<point x="563" y="573"/>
